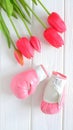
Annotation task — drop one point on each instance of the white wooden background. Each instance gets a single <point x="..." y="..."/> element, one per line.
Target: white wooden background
<point x="18" y="114"/>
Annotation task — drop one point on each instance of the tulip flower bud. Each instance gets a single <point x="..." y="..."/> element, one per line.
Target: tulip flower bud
<point x="56" y="22"/>
<point x="19" y="57"/>
<point x="25" y="47"/>
<point x="53" y="37"/>
<point x="35" y="42"/>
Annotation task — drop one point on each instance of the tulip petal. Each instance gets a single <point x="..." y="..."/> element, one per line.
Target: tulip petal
<point x="35" y="42"/>
<point x="53" y="37"/>
<point x="19" y="57"/>
<point x="56" y="22"/>
<point x="25" y="47"/>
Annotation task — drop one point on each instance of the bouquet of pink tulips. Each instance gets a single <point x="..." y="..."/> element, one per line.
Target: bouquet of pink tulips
<point x="25" y="47"/>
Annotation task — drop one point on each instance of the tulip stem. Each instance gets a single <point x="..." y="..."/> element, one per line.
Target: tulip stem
<point x="14" y="27"/>
<point x="42" y="23"/>
<point x="6" y="32"/>
<point x="13" y="44"/>
<point x="20" y="14"/>
<point x="30" y="33"/>
<point x="44" y="7"/>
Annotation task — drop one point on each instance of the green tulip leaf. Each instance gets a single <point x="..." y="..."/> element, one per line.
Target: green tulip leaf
<point x="25" y="7"/>
<point x="5" y="30"/>
<point x="4" y="8"/>
<point x="19" y="11"/>
<point x="9" y="7"/>
<point x="34" y="1"/>
<point x="0" y="26"/>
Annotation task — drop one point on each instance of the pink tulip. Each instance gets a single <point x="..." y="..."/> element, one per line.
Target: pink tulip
<point x="35" y="42"/>
<point x="53" y="37"/>
<point x="25" y="47"/>
<point x="19" y="57"/>
<point x="56" y="22"/>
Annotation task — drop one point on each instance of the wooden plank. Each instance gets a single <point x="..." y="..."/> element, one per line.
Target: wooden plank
<point x="14" y="113"/>
<point x="52" y="59"/>
<point x="68" y="67"/>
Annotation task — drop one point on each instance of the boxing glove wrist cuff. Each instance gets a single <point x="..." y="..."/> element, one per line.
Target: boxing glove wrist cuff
<point x="41" y="72"/>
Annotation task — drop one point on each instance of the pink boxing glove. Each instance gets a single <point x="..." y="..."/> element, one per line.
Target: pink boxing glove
<point x="25" y="83"/>
<point x="54" y="94"/>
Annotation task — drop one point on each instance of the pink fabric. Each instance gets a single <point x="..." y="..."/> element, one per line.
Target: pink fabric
<point x="52" y="108"/>
<point x="61" y="75"/>
<point x="44" y="70"/>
